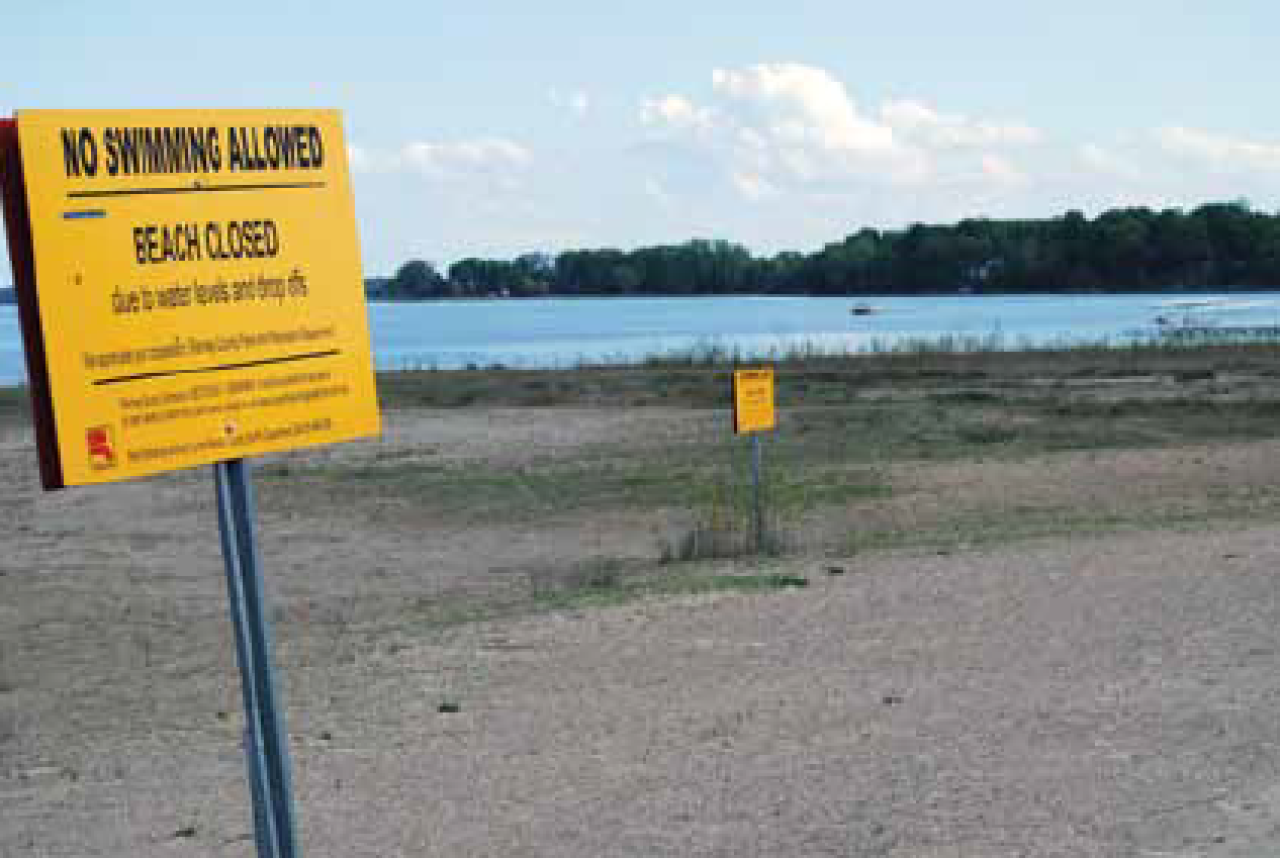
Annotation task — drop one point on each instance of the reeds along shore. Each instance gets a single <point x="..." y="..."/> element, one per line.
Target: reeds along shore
<point x="809" y="374"/>
<point x="713" y="353"/>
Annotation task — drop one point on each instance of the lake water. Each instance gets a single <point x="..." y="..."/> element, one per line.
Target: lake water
<point x="565" y="332"/>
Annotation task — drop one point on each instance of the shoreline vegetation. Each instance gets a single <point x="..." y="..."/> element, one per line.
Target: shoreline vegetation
<point x="957" y="357"/>
<point x="1218" y="246"/>
<point x="700" y="376"/>
<point x="712" y="353"/>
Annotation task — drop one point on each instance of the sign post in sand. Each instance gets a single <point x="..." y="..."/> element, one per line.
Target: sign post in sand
<point x="753" y="413"/>
<point x="190" y="293"/>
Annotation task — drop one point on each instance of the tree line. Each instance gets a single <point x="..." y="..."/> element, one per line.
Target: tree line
<point x="1217" y="245"/>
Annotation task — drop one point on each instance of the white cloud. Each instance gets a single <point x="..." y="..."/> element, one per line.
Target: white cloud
<point x="482" y="154"/>
<point x="494" y="159"/>
<point x="803" y="105"/>
<point x="1219" y="152"/>
<point x="919" y="122"/>
<point x="786" y="128"/>
<point x="362" y="160"/>
<point x="782" y="124"/>
<point x="675" y="112"/>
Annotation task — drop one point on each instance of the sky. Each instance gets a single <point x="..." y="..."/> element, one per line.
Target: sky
<point x="499" y="128"/>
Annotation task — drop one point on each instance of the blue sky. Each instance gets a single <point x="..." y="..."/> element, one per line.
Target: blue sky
<point x="487" y="128"/>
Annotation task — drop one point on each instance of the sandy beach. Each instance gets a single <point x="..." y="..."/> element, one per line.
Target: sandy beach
<point x="1105" y="687"/>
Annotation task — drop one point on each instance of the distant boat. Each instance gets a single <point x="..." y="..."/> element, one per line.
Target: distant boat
<point x="862" y="309"/>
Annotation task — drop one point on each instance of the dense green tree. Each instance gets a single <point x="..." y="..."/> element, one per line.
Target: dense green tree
<point x="1218" y="245"/>
<point x="416" y="279"/>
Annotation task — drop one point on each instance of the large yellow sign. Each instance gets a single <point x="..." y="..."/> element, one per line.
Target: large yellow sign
<point x="198" y="285"/>
<point x="753" y="400"/>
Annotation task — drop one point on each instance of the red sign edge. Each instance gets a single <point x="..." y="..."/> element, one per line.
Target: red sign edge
<point x="17" y="224"/>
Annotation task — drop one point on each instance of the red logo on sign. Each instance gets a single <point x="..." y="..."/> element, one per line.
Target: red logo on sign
<point x="102" y="453"/>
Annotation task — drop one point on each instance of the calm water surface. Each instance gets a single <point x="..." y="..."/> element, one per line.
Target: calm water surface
<point x="564" y="332"/>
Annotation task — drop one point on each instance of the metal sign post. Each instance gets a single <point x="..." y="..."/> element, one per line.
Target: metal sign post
<point x="753" y="413"/>
<point x="266" y="743"/>
<point x="755" y="484"/>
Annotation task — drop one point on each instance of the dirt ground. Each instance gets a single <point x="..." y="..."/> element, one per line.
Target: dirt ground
<point x="1115" y="692"/>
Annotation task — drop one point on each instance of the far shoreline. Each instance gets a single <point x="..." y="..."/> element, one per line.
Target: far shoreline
<point x="1059" y="293"/>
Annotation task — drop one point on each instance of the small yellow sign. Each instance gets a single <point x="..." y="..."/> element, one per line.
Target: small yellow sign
<point x="753" y="409"/>
<point x="198" y="284"/>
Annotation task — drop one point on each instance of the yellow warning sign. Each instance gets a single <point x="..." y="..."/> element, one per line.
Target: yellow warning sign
<point x="198" y="287"/>
<point x="753" y="409"/>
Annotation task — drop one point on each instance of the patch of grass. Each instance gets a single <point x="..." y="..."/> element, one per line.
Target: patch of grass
<point x="1193" y="374"/>
<point x="695" y="581"/>
<point x="695" y="475"/>
<point x="594" y="575"/>
<point x="977" y="529"/>
<point x="596" y="583"/>
<point x="15" y="405"/>
<point x="985" y="433"/>
<point x="721" y="513"/>
<point x="712" y="541"/>
<point x="966" y="397"/>
<point x="974" y="528"/>
<point x="1164" y="422"/>
<point x="776" y="581"/>
<point x="273" y="470"/>
<point x="476" y="490"/>
<point x="704" y="541"/>
<point x="924" y="429"/>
